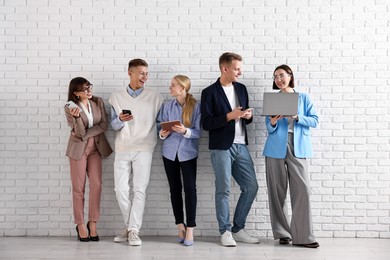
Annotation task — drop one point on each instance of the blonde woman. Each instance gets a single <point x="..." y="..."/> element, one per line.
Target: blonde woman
<point x="180" y="153"/>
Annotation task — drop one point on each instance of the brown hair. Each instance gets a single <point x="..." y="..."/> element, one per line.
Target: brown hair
<point x="228" y="57"/>
<point x="76" y="85"/>
<point x="137" y="63"/>
<point x="190" y="101"/>
<point x="289" y="72"/>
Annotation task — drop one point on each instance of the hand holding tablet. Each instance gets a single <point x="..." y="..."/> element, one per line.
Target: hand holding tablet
<point x="167" y="126"/>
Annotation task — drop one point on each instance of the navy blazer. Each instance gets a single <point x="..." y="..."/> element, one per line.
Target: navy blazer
<point x="214" y="106"/>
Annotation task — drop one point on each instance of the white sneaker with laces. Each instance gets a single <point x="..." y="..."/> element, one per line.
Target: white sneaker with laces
<point x="242" y="236"/>
<point x="122" y="237"/>
<point x="134" y="239"/>
<point x="227" y="239"/>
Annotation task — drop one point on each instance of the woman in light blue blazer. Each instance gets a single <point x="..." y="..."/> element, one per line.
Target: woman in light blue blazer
<point x="286" y="149"/>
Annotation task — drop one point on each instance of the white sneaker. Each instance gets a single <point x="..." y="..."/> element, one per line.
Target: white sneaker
<point x="122" y="237"/>
<point x="134" y="239"/>
<point x="242" y="236"/>
<point x="227" y="239"/>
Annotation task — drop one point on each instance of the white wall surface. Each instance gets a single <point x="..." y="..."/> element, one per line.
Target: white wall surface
<point x="339" y="50"/>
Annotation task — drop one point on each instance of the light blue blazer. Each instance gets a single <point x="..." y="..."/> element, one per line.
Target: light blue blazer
<point x="276" y="144"/>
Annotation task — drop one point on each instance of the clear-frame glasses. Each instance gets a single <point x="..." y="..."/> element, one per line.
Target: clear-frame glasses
<point x="281" y="76"/>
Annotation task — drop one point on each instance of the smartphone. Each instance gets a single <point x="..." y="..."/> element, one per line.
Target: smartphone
<point x="71" y="104"/>
<point x="126" y="111"/>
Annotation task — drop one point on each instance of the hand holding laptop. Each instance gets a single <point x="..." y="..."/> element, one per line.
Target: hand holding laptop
<point x="274" y="119"/>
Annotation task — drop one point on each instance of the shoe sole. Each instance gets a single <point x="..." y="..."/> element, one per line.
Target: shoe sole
<point x="135" y="243"/>
<point x="248" y="242"/>
<point x="120" y="240"/>
<point x="229" y="245"/>
<point x="308" y="246"/>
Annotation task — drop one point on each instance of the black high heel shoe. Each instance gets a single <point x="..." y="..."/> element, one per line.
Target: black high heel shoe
<point x="94" y="239"/>
<point x="82" y="239"/>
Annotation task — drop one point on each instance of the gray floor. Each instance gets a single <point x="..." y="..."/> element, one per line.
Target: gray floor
<point x="203" y="248"/>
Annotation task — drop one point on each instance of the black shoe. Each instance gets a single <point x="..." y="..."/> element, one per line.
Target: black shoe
<point x="94" y="239"/>
<point x="284" y="240"/>
<point x="82" y="239"/>
<point x="311" y="245"/>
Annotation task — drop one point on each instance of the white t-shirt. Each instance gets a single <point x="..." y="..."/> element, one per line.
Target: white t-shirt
<point x="239" y="136"/>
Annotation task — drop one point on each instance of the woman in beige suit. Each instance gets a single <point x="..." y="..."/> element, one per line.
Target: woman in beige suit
<point x="87" y="146"/>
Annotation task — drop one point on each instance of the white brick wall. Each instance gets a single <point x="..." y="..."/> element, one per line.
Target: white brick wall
<point x="339" y="50"/>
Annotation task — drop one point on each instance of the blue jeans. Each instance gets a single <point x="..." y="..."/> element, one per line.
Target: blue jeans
<point x="238" y="163"/>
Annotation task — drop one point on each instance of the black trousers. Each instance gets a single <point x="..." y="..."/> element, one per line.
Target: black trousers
<point x="188" y="170"/>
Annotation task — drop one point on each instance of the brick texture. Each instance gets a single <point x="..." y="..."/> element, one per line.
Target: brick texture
<point x="339" y="50"/>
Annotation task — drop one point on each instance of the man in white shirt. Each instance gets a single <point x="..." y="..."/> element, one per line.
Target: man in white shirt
<point x="225" y="113"/>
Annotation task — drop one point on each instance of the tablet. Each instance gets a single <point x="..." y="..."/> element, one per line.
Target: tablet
<point x="168" y="124"/>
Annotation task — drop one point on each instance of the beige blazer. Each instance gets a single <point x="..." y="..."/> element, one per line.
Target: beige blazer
<point x="80" y="132"/>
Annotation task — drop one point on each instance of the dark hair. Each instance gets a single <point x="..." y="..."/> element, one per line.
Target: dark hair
<point x="289" y="71"/>
<point x="228" y="57"/>
<point x="76" y="85"/>
<point x="137" y="62"/>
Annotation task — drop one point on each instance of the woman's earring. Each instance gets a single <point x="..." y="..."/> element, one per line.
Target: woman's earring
<point x="78" y="97"/>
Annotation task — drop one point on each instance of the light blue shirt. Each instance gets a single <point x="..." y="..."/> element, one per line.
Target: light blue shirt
<point x="116" y="123"/>
<point x="184" y="146"/>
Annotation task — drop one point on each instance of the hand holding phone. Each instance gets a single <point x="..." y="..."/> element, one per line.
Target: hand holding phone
<point x="71" y="104"/>
<point x="125" y="115"/>
<point x="248" y="113"/>
<point x="74" y="109"/>
<point x="126" y="111"/>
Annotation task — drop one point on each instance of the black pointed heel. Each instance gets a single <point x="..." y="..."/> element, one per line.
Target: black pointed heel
<point x="82" y="239"/>
<point x="94" y="239"/>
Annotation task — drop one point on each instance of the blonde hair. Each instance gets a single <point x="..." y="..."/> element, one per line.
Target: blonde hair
<point x="190" y="101"/>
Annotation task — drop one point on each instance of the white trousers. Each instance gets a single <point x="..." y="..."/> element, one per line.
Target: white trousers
<point x="137" y="165"/>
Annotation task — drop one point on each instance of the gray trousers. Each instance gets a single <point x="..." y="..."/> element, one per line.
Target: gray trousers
<point x="280" y="173"/>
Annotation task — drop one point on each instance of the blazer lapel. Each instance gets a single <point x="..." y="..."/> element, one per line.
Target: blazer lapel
<point x="222" y="94"/>
<point x="95" y="112"/>
<point x="239" y="96"/>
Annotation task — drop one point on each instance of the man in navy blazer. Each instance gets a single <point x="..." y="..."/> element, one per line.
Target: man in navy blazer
<point x="225" y="113"/>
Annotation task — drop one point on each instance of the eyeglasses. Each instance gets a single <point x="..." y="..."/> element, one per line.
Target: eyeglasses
<point x="143" y="74"/>
<point x="281" y="76"/>
<point x="87" y="89"/>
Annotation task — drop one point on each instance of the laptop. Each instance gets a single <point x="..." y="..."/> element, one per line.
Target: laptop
<point x="285" y="104"/>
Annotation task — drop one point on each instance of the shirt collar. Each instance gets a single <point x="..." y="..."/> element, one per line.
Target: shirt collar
<point x="136" y="92"/>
